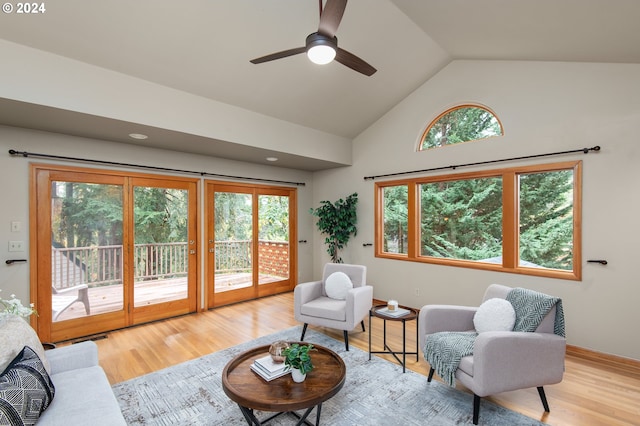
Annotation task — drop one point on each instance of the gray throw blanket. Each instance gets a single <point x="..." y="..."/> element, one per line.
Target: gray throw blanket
<point x="531" y="307"/>
<point x="443" y="351"/>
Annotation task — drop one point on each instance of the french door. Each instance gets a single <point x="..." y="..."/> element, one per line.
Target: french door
<point x="251" y="235"/>
<point x="112" y="250"/>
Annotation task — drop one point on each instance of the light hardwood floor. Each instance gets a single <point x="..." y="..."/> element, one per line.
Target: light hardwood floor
<point x="592" y="393"/>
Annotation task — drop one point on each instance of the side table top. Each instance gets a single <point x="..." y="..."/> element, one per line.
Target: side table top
<point x="246" y="388"/>
<point x="411" y="315"/>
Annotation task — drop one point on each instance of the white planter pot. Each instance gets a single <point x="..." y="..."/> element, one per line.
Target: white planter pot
<point x="297" y="376"/>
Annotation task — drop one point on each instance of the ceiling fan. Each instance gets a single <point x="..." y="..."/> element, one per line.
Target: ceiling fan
<point x="322" y="46"/>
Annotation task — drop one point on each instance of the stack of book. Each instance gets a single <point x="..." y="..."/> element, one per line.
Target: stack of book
<point x="266" y="368"/>
<point x="398" y="312"/>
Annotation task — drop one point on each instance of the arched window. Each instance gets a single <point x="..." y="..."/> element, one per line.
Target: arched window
<point x="459" y="124"/>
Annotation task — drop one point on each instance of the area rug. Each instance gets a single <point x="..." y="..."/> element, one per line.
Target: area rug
<point x="375" y="392"/>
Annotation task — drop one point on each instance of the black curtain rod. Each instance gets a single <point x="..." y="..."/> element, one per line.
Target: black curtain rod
<point x="139" y="166"/>
<point x="583" y="150"/>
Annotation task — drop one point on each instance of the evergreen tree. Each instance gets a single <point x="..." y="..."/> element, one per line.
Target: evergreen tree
<point x="462" y="219"/>
<point x="395" y="219"/>
<point x="273" y="218"/>
<point x="462" y="125"/>
<point x="546" y="219"/>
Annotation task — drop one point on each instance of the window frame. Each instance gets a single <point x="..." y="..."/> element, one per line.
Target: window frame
<point x="510" y="221"/>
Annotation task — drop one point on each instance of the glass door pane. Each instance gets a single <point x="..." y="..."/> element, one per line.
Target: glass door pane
<point x="233" y="218"/>
<point x="86" y="249"/>
<point x="161" y="246"/>
<point x="273" y="238"/>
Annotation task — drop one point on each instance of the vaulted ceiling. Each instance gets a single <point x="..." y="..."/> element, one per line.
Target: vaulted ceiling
<point x="203" y="47"/>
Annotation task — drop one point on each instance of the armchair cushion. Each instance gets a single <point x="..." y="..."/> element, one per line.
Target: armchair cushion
<point x="494" y="315"/>
<point x="325" y="307"/>
<point x="337" y="285"/>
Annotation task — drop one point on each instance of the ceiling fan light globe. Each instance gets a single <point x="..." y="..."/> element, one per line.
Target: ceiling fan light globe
<point x="321" y="54"/>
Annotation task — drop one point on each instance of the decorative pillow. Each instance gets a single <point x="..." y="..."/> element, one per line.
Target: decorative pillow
<point x="15" y="334"/>
<point x="495" y="315"/>
<point x="26" y="390"/>
<point x="337" y="285"/>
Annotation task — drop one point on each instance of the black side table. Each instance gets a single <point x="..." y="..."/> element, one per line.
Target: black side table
<point x="377" y="311"/>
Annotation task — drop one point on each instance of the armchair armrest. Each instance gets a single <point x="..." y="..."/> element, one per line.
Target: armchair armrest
<point x="359" y="302"/>
<point x="79" y="355"/>
<point x="437" y="318"/>
<point x="79" y="287"/>
<point x="507" y="360"/>
<point x="304" y="293"/>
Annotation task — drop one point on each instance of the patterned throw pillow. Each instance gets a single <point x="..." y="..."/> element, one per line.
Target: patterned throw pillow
<point x="26" y="390"/>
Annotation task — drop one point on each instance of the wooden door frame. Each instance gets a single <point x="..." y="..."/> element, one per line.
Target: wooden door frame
<point x="212" y="186"/>
<point x="40" y="233"/>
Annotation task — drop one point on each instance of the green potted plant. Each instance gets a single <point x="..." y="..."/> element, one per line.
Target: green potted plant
<point x="298" y="359"/>
<point x="338" y="221"/>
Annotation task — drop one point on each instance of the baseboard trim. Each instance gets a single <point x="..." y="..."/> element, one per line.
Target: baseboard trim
<point x="611" y="361"/>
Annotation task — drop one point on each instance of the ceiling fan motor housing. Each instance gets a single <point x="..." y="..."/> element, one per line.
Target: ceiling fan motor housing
<point x="317" y="39"/>
<point x="321" y="49"/>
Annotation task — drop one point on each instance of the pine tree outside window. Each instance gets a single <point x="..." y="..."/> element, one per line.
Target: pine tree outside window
<point x="522" y="220"/>
<point x="463" y="123"/>
<point x="395" y="218"/>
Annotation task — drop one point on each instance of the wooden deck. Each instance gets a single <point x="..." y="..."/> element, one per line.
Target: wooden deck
<point x="110" y="298"/>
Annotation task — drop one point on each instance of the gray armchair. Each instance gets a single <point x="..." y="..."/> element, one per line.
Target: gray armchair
<point x="502" y="360"/>
<point x="312" y="304"/>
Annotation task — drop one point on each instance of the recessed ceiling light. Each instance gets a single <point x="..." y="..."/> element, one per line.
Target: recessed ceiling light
<point x="138" y="136"/>
<point x="272" y="158"/>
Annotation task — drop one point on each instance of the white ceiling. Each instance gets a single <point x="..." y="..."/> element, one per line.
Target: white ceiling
<point x="203" y="47"/>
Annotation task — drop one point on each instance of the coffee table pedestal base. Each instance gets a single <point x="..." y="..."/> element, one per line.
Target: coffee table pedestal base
<point x="252" y="420"/>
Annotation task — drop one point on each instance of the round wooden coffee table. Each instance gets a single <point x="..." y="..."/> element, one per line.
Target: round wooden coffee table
<point x="283" y="395"/>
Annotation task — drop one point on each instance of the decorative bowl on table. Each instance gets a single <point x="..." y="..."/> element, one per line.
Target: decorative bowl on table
<point x="276" y="350"/>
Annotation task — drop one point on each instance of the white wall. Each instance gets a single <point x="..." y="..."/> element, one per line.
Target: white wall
<point x="14" y="172"/>
<point x="544" y="107"/>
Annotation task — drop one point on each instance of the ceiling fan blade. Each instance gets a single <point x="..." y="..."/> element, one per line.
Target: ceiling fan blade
<point x="331" y="17"/>
<point x="350" y="60"/>
<point x="278" y="55"/>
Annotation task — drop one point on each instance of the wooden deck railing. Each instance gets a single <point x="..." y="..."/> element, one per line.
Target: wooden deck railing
<point x="102" y="265"/>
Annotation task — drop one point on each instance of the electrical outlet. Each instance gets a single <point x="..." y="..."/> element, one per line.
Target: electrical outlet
<point x="416" y="291"/>
<point x="16" y="246"/>
<point x="16" y="226"/>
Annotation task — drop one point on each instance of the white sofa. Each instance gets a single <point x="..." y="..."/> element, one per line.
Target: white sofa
<point x="83" y="394"/>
